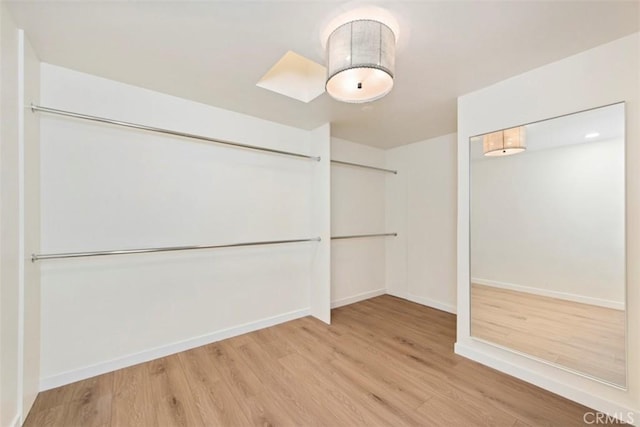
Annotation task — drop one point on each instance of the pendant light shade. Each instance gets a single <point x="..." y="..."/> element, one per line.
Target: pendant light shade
<point x="504" y="142"/>
<point x="360" y="61"/>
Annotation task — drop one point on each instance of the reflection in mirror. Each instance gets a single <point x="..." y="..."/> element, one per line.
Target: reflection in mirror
<point x="548" y="241"/>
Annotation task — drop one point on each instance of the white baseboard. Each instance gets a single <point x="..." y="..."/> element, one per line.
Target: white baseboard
<point x="617" y="305"/>
<point x="438" y="305"/>
<point x="397" y="294"/>
<point x="449" y="308"/>
<point x="357" y="298"/>
<point x="166" y="350"/>
<point x="561" y="388"/>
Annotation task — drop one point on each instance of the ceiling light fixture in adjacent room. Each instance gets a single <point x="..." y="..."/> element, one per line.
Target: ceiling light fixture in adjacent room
<point x="504" y="142"/>
<point x="360" y="61"/>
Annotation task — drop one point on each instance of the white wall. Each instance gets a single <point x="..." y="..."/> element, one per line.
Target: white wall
<point x="320" y="196"/>
<point x="105" y="188"/>
<point x="421" y="206"/>
<point x="606" y="74"/>
<point x="9" y="220"/>
<point x="357" y="207"/>
<point x="396" y="215"/>
<point x="29" y="291"/>
<point x="19" y="225"/>
<point x="551" y="222"/>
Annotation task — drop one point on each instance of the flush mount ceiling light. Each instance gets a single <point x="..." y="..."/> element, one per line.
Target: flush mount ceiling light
<point x="504" y="142"/>
<point x="360" y="61"/>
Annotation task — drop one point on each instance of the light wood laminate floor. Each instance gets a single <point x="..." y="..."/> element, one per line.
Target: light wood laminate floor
<point x="582" y="337"/>
<point x="382" y="362"/>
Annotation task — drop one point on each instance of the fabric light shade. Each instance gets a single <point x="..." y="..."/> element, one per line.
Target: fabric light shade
<point x="360" y="61"/>
<point x="504" y="142"/>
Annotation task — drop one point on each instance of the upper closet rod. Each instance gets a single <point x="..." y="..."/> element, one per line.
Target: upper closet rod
<point x="36" y="108"/>
<point x="340" y="162"/>
<point x="37" y="257"/>
<point x="356" y="236"/>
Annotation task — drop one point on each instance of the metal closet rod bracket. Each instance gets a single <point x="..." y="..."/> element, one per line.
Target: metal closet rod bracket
<point x="37" y="108"/>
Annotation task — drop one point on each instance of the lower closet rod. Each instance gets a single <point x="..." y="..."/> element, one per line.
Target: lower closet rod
<point x="37" y="257"/>
<point x="356" y="236"/>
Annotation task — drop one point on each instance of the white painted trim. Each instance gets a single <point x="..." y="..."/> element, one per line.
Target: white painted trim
<point x="166" y="350"/>
<point x="357" y="298"/>
<point x="21" y="226"/>
<point x="449" y="308"/>
<point x="548" y="383"/>
<point x="397" y="294"/>
<point x="617" y="305"/>
<point x="16" y="421"/>
<point x="438" y="305"/>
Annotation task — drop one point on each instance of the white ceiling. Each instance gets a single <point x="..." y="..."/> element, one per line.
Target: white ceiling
<point x="607" y="122"/>
<point x="214" y="52"/>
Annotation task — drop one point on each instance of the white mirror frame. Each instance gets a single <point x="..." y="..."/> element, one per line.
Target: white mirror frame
<point x="529" y="356"/>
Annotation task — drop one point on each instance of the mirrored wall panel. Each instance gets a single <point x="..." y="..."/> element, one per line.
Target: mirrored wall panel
<point x="548" y="241"/>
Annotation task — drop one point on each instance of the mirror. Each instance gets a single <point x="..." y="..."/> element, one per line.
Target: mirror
<point x="548" y="241"/>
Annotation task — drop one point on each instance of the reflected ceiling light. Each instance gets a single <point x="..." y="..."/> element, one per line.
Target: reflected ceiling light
<point x="504" y="142"/>
<point x="592" y="135"/>
<point x="360" y="61"/>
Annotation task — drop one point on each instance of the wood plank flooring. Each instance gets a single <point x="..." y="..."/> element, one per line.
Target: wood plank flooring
<point x="382" y="362"/>
<point x="582" y="337"/>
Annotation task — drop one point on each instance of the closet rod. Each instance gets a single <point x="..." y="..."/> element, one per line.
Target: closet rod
<point x="356" y="236"/>
<point x="36" y="108"/>
<point x="340" y="162"/>
<point x="38" y="257"/>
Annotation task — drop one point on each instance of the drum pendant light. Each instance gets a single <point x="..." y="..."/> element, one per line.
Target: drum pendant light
<point x="505" y="142"/>
<point x="360" y="61"/>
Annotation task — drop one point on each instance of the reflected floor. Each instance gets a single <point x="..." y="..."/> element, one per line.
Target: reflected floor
<point x="582" y="337"/>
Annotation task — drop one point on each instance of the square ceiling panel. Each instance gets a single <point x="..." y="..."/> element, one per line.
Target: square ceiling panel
<point x="296" y="77"/>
